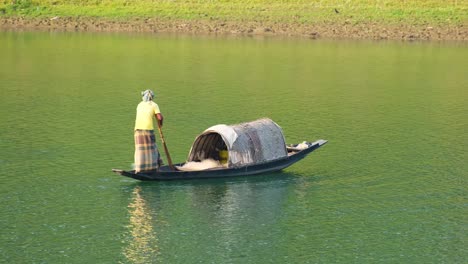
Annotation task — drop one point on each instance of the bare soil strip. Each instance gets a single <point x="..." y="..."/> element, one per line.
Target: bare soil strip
<point x="341" y="30"/>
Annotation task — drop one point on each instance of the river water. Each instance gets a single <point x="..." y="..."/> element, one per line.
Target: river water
<point x="389" y="187"/>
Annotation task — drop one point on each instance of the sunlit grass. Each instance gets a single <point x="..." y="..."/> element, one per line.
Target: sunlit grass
<point x="287" y="11"/>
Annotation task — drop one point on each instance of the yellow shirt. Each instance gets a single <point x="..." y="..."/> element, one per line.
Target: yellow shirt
<point x="144" y="115"/>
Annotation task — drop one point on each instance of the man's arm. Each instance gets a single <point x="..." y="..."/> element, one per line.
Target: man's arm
<point x="160" y="119"/>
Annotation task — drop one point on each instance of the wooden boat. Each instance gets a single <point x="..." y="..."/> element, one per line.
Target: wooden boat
<point x="253" y="148"/>
<point x="165" y="173"/>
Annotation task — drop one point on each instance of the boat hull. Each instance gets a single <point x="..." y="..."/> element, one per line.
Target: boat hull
<point x="166" y="174"/>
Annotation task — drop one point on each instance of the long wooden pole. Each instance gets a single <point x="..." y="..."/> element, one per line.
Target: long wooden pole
<point x="169" y="160"/>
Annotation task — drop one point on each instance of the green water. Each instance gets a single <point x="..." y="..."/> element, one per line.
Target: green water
<point x="389" y="187"/>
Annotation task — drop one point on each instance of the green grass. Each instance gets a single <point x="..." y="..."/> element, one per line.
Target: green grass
<point x="285" y="11"/>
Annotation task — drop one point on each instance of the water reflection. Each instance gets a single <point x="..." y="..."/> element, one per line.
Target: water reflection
<point x="142" y="241"/>
<point x="218" y="216"/>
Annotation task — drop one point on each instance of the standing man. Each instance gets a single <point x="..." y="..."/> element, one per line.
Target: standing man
<point x="147" y="157"/>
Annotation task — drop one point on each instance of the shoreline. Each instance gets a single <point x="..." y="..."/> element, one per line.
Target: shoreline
<point x="322" y="30"/>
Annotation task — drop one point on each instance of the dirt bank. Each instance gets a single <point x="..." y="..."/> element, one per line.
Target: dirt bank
<point x="339" y="30"/>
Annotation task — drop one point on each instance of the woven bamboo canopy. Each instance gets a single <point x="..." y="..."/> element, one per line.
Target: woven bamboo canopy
<point x="246" y="143"/>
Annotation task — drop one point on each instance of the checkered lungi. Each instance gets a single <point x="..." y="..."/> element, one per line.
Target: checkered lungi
<point x="146" y="151"/>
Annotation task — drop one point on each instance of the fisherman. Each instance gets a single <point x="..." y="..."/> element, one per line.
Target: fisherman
<point x="147" y="157"/>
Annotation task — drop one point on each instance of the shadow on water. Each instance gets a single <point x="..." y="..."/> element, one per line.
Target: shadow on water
<point x="275" y="178"/>
<point x="212" y="191"/>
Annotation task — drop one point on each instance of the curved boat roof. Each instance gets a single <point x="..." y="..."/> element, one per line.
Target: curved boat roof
<point x="246" y="143"/>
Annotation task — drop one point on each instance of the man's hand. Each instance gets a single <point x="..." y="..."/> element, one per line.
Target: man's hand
<point x="160" y="119"/>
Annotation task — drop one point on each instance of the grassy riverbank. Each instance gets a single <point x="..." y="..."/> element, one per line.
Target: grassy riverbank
<point x="249" y="15"/>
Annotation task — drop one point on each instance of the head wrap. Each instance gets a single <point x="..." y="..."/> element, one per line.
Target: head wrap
<point x="148" y="95"/>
